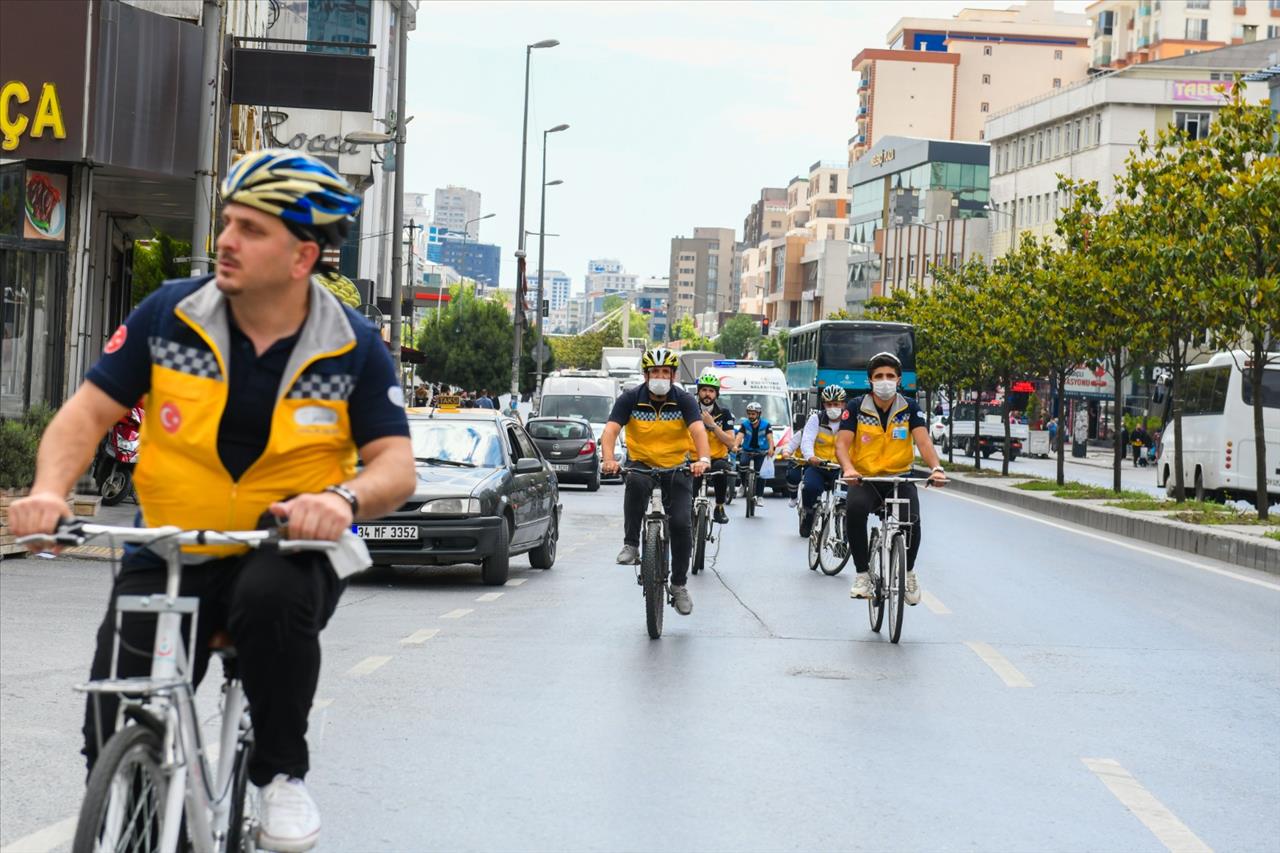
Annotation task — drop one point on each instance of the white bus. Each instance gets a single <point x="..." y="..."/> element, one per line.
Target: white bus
<point x="1219" y="456"/>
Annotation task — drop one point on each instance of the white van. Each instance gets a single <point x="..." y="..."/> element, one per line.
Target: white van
<point x="587" y="394"/>
<point x="1219" y="456"/>
<point x="743" y="382"/>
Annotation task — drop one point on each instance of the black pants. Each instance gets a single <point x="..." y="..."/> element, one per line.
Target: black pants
<point x="274" y="607"/>
<point x="755" y="460"/>
<point x="865" y="499"/>
<point x="677" y="500"/>
<point x="719" y="485"/>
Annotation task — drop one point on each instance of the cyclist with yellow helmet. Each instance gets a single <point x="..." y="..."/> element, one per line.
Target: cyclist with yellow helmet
<point x="719" y="425"/>
<point x="261" y="388"/>
<point x="664" y="427"/>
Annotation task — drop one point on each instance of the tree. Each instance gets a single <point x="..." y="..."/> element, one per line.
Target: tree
<point x="684" y="330"/>
<point x="773" y="348"/>
<point x="738" y="336"/>
<point x="469" y="345"/>
<point x="154" y="263"/>
<point x="959" y="318"/>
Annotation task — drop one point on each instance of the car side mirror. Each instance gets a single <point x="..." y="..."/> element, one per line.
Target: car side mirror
<point x="528" y="465"/>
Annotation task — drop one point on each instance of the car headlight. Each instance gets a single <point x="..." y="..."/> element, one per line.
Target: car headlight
<point x="452" y="506"/>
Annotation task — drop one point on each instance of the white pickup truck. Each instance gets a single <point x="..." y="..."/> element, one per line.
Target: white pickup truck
<point x="990" y="438"/>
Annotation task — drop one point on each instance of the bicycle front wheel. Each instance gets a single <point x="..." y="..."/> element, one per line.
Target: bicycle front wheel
<point x="897" y="585"/>
<point x="700" y="525"/>
<point x="242" y="825"/>
<point x="651" y="575"/>
<point x="751" y="494"/>
<point x="875" y="604"/>
<point x="123" y="806"/>
<point x="833" y="550"/>
<point x="815" y="537"/>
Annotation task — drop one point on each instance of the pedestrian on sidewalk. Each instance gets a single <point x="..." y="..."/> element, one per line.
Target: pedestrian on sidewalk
<point x="1139" y="440"/>
<point x="1053" y="434"/>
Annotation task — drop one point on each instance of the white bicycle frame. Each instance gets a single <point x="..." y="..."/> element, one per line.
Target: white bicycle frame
<point x="168" y="696"/>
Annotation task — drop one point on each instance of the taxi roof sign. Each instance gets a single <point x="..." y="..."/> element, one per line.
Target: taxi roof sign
<point x="448" y="402"/>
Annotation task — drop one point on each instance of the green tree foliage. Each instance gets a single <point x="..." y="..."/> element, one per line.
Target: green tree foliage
<point x="684" y="330"/>
<point x="154" y="264"/>
<point x="738" y="336"/>
<point x="469" y="345"/>
<point x="773" y="347"/>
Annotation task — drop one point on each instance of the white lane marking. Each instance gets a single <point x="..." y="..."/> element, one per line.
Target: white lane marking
<point x="1123" y="544"/>
<point x="457" y="614"/>
<point x="491" y="596"/>
<point x="1008" y="673"/>
<point x="417" y="638"/>
<point x="1164" y="825"/>
<point x="368" y="665"/>
<point x="321" y="704"/>
<point x="931" y="601"/>
<point x="516" y="582"/>
<point x="43" y="840"/>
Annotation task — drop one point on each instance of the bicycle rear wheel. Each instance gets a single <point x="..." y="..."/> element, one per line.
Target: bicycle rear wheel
<point x="897" y="584"/>
<point x="875" y="604"/>
<point x="751" y="493"/>
<point x="833" y="550"/>
<point x="651" y="563"/>
<point x="123" y="805"/>
<point x="242" y="825"/>
<point x="815" y="537"/>
<point x="700" y="524"/>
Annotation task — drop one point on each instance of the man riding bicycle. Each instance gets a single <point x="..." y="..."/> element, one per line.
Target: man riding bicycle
<point x="875" y="440"/>
<point x="719" y="425"/>
<point x="754" y="443"/>
<point x="818" y="446"/>
<point x="663" y="427"/>
<point x="261" y="389"/>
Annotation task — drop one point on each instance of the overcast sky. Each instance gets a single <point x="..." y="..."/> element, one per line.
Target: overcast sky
<point x="679" y="112"/>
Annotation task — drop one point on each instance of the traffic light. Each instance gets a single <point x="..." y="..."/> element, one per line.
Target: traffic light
<point x="764" y="326"/>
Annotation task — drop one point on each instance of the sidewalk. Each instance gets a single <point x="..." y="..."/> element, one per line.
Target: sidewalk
<point x="1241" y="545"/>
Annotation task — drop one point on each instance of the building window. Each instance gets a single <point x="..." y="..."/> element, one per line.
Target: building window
<point x="1079" y="140"/>
<point x="1274" y="5"/>
<point x="982" y="134"/>
<point x="833" y="184"/>
<point x="1239" y="4"/>
<point x="1057" y="82"/>
<point x="1057" y="54"/>
<point x="1273" y="32"/>
<point x="1197" y="4"/>
<point x="986" y="78"/>
<point x="1039" y="147"/>
<point x="1197" y="29"/>
<point x="1097" y="130"/>
<point x="986" y="107"/>
<point x="888" y="269"/>
<point x="1194" y="125"/>
<point x="986" y="51"/>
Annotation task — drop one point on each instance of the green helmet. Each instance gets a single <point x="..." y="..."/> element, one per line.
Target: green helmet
<point x="709" y="380"/>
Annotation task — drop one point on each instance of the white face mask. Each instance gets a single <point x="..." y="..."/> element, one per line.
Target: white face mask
<point x="660" y="387"/>
<point x="885" y="388"/>
<point x="834" y="413"/>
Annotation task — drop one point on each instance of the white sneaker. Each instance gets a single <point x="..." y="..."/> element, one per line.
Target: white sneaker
<point x="290" y="819"/>
<point x="913" y="589"/>
<point x="862" y="586"/>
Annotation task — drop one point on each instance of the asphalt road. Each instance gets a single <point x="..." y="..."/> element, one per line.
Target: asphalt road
<point x="1057" y="691"/>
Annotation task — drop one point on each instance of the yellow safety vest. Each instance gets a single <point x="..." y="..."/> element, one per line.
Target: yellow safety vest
<point x="657" y="434"/>
<point x="878" y="451"/>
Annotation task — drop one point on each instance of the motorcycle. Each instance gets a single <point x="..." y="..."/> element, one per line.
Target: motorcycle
<point x="117" y="455"/>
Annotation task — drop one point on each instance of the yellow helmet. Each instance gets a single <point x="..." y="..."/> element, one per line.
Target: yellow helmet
<point x="659" y="357"/>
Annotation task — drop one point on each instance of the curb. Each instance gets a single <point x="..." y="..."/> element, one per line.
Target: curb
<point x="1247" y="551"/>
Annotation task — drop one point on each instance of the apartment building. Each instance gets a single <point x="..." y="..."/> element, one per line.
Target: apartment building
<point x="556" y="290"/>
<point x="701" y="273"/>
<point x="1131" y="32"/>
<point x="764" y="216"/>
<point x="1088" y="131"/>
<point x="941" y="78"/>
<point x="458" y="209"/>
<point x="608" y="274"/>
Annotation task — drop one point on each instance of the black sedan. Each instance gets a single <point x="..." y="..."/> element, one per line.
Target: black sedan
<point x="570" y="447"/>
<point x="484" y="494"/>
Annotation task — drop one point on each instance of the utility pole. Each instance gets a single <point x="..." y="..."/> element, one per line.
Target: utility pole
<point x="211" y="29"/>
<point x="397" y="227"/>
<point x="413" y="280"/>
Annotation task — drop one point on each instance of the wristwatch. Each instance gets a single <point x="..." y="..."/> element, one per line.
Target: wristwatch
<point x="347" y="495"/>
<point x="938" y="468"/>
<point x="706" y="460"/>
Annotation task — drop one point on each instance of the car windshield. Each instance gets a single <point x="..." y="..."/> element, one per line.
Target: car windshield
<point x="559" y="430"/>
<point x="473" y="442"/>
<point x="589" y="406"/>
<point x="774" y="407"/>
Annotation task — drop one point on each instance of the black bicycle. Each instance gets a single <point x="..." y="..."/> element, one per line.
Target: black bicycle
<point x="749" y="476"/>
<point x="702" y="525"/>
<point x="887" y="549"/>
<point x="655" y="550"/>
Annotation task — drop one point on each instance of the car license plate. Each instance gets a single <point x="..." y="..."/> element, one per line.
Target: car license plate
<point x="563" y="467"/>
<point x="387" y="531"/>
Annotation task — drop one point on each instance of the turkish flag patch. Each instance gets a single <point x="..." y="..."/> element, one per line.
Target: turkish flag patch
<point x="116" y="340"/>
<point x="844" y="416"/>
<point x="170" y="418"/>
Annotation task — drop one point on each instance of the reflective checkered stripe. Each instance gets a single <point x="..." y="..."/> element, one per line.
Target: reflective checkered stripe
<point x="314" y="386"/>
<point x="184" y="359"/>
<point x="658" y="437"/>
<point x="877" y="451"/>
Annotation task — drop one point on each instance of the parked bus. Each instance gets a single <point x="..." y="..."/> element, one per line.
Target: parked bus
<point x="1219" y="455"/>
<point x="836" y="352"/>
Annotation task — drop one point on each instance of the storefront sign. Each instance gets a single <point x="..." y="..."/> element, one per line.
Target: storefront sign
<point x="885" y="156"/>
<point x="1200" y="90"/>
<point x="320" y="132"/>
<point x="1090" y="382"/>
<point x="17" y="119"/>
<point x="45" y="203"/>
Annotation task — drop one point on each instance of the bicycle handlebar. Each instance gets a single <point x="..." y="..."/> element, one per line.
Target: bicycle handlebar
<point x="76" y="532"/>
<point x="898" y="479"/>
<point x="654" y="472"/>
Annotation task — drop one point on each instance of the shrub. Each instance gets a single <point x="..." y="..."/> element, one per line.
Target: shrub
<point x="18" y="444"/>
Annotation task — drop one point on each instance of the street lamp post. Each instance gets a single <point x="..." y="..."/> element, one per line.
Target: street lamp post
<point x="518" y="314"/>
<point x="397" y="212"/>
<point x="542" y="247"/>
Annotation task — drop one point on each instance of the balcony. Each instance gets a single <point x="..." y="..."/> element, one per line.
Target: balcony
<point x="864" y="83"/>
<point x="862" y="111"/>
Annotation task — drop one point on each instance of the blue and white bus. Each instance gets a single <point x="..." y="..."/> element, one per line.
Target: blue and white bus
<point x="836" y="352"/>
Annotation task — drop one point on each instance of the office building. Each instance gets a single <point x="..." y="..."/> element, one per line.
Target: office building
<point x="608" y="274"/>
<point x="479" y="262"/>
<point x="556" y="290"/>
<point x="701" y="273"/>
<point x="458" y="209"/>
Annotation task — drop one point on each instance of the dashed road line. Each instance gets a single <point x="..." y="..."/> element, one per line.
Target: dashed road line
<point x="1163" y="824"/>
<point x="457" y="614"/>
<point x="321" y="704"/>
<point x="43" y="840"/>
<point x="516" y="582"/>
<point x="417" y="638"/>
<point x="491" y="596"/>
<point x="368" y="665"/>
<point x="931" y="601"/>
<point x="1008" y="673"/>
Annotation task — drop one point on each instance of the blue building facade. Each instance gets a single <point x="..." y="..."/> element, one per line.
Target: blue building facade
<point x="481" y="261"/>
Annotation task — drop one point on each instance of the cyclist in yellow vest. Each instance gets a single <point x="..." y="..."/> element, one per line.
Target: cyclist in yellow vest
<point x="818" y="446"/>
<point x="875" y="440"/>
<point x="718" y="422"/>
<point x="261" y="388"/>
